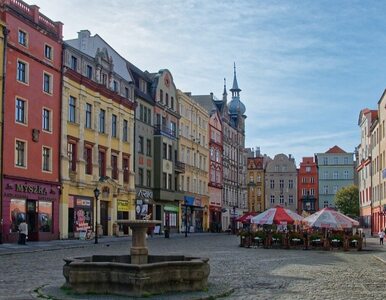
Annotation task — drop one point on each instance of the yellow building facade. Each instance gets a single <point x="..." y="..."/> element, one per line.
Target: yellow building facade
<point x="194" y="152"/>
<point x="97" y="134"/>
<point x="255" y="180"/>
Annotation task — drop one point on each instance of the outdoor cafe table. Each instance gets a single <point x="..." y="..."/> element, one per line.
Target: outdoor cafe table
<point x="335" y="242"/>
<point x="257" y="240"/>
<point x="296" y="241"/>
<point x="316" y="242"/>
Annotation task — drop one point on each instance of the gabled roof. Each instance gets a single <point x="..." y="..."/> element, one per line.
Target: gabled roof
<point x="335" y="149"/>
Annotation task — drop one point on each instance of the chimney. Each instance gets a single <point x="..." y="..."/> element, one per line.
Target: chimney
<point x="35" y="13"/>
<point x="83" y="36"/>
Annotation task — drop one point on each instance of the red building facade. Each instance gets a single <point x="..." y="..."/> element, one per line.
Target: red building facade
<point x="308" y="190"/>
<point x="31" y="140"/>
<point x="215" y="172"/>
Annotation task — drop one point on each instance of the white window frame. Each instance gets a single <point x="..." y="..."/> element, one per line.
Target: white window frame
<point x="49" y="130"/>
<point x="25" y="158"/>
<point x="25" y="121"/>
<point x="49" y="170"/>
<point x="26" y="72"/>
<point x="50" y="83"/>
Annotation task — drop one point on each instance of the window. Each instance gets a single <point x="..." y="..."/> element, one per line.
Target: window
<point x="312" y="192"/>
<point x="291" y="184"/>
<point x="325" y="160"/>
<point x="272" y="199"/>
<point x="89" y="72"/>
<point x="47" y="83"/>
<point x="125" y="165"/>
<point x="167" y="99"/>
<point x="335" y="175"/>
<point x="336" y="160"/>
<point x="114" y="125"/>
<point x="88" y="115"/>
<point x="46" y="119"/>
<point x="346" y="160"/>
<point x="20" y="158"/>
<point x="164" y="180"/>
<point x="88" y="159"/>
<point x="169" y="181"/>
<point x="20" y="111"/>
<point x="140" y="176"/>
<point x="312" y="180"/>
<point x="148" y="178"/>
<point x="22" y="38"/>
<point x="125" y="131"/>
<point x="325" y="189"/>
<point x="72" y="109"/>
<point x="308" y="169"/>
<point x="115" y="86"/>
<point x="148" y="147"/>
<point x="74" y="63"/>
<point x="170" y="152"/>
<point x="71" y="154"/>
<point x="46" y="159"/>
<point x="102" y="118"/>
<point x="126" y="92"/>
<point x="172" y="103"/>
<point x="173" y="128"/>
<point x="22" y="71"/>
<point x="140" y="145"/>
<point x="335" y="189"/>
<point x="272" y="184"/>
<point x="281" y="199"/>
<point x="345" y="174"/>
<point x="325" y="204"/>
<point x="325" y="174"/>
<point x="114" y="166"/>
<point x="164" y="151"/>
<point x="281" y="183"/>
<point x="102" y="163"/>
<point x="304" y="192"/>
<point x="48" y="52"/>
<point x="291" y="199"/>
<point x="161" y="96"/>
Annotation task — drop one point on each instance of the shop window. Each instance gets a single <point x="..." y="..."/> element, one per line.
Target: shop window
<point x="45" y="216"/>
<point x="18" y="213"/>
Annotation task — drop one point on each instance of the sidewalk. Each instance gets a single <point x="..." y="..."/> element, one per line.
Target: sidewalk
<point x="7" y="249"/>
<point x="372" y="244"/>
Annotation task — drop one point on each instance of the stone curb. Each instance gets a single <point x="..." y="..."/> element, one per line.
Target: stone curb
<point x="57" y="294"/>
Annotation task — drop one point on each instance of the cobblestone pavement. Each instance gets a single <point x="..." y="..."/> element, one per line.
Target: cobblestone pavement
<point x="248" y="273"/>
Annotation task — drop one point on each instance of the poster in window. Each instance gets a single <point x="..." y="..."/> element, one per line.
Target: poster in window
<point x="45" y="216"/>
<point x="18" y="213"/>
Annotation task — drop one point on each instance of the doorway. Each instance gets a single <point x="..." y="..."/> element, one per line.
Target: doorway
<point x="104" y="216"/>
<point x="32" y="220"/>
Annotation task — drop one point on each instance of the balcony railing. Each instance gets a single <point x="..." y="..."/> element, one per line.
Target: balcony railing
<point x="179" y="167"/>
<point x="164" y="130"/>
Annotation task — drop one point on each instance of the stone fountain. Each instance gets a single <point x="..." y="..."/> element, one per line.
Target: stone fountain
<point x="137" y="274"/>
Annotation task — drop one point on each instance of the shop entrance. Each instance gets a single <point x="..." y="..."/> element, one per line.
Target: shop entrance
<point x="104" y="216"/>
<point x="32" y="220"/>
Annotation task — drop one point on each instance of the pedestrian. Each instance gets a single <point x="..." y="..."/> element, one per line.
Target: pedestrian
<point x="381" y="235"/>
<point x="23" y="232"/>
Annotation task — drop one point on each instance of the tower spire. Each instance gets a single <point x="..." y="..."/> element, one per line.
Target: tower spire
<point x="235" y="88"/>
<point x="225" y="94"/>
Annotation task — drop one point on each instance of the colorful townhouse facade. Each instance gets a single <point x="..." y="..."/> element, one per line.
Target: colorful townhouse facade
<point x="31" y="126"/>
<point x="364" y="163"/>
<point x="281" y="182"/>
<point x="97" y="138"/>
<point x="144" y="144"/>
<point x="335" y="170"/>
<point x="194" y="153"/>
<point x="3" y="43"/>
<point x="308" y="189"/>
<point x="256" y="164"/>
<point x="167" y="198"/>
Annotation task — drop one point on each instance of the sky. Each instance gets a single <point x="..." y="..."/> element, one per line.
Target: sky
<point x="305" y="68"/>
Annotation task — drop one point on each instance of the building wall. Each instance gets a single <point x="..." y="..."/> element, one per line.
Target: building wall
<point x="256" y="184"/>
<point x="39" y="173"/>
<point x="308" y="190"/>
<point x="335" y="170"/>
<point x="281" y="182"/>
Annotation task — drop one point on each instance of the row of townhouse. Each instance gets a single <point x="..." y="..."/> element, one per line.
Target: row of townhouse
<point x="88" y="140"/>
<point x="371" y="167"/>
<point x="306" y="189"/>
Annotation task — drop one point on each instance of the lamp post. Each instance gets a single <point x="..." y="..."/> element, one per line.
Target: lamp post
<point x="96" y="194"/>
<point x="234" y="219"/>
<point x="186" y="218"/>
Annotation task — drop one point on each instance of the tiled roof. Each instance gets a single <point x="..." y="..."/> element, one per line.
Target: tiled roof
<point x="335" y="149"/>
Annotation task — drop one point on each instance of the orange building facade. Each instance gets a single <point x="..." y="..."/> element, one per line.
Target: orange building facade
<point x="31" y="137"/>
<point x="308" y="189"/>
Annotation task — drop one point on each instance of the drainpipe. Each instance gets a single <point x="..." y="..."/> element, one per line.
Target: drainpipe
<point x="5" y="33"/>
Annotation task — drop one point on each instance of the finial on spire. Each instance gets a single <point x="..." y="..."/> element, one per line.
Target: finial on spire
<point x="235" y="87"/>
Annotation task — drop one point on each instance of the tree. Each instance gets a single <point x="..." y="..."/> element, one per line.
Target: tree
<point x="347" y="200"/>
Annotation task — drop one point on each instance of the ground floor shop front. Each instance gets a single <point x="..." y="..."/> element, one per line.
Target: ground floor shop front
<point x="81" y="211"/>
<point x="36" y="203"/>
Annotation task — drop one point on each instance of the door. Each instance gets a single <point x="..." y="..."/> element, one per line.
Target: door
<point x="104" y="216"/>
<point x="32" y="220"/>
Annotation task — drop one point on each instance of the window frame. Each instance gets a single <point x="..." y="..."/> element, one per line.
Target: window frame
<point x="47" y="121"/>
<point x="24" y="41"/>
<point x="72" y="109"/>
<point x="23" y="111"/>
<point x="46" y="160"/>
<point x="47" y="85"/>
<point x="24" y="157"/>
<point x="48" y="54"/>
<point x="22" y="76"/>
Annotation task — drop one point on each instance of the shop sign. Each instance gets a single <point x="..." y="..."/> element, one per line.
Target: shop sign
<point x="145" y="194"/>
<point x="32" y="189"/>
<point x="189" y="200"/>
<point x="123" y="205"/>
<point x="83" y="202"/>
<point x="171" y="208"/>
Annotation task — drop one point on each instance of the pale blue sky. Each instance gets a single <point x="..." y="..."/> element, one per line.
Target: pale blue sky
<point x="306" y="68"/>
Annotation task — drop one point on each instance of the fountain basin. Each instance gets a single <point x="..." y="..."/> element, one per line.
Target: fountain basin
<point x="109" y="274"/>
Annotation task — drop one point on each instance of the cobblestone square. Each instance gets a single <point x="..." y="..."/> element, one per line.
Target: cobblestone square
<point x="239" y="273"/>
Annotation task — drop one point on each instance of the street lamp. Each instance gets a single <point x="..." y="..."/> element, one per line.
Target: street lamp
<point x="96" y="194"/>
<point x="186" y="218"/>
<point x="234" y="219"/>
